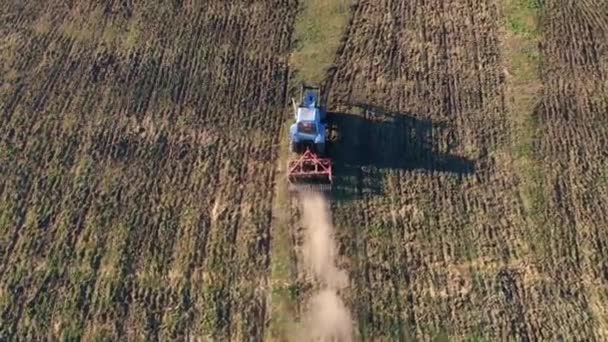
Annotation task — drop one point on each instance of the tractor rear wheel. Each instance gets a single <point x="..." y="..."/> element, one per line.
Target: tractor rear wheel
<point x="320" y="149"/>
<point x="295" y="147"/>
<point x="323" y="115"/>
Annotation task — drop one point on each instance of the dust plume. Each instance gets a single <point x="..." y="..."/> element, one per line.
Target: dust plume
<point x="328" y="318"/>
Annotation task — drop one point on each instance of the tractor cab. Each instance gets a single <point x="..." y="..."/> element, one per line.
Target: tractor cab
<point x="308" y="132"/>
<point x="307" y="120"/>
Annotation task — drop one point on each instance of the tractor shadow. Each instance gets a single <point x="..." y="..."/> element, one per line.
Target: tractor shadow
<point x="371" y="140"/>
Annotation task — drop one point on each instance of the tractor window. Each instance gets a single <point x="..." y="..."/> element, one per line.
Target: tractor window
<point x="307" y="127"/>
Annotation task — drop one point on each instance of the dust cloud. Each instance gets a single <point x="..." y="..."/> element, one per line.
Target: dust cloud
<point x="327" y="318"/>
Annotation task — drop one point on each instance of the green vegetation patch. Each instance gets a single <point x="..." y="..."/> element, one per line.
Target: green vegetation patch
<point x="522" y="62"/>
<point x="318" y="32"/>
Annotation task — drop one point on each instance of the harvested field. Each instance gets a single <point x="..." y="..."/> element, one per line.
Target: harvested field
<point x="137" y="150"/>
<point x="437" y="225"/>
<point x="142" y="154"/>
<point x="430" y="219"/>
<point x="571" y="146"/>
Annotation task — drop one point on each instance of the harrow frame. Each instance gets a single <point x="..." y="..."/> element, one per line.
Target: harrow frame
<point x="310" y="171"/>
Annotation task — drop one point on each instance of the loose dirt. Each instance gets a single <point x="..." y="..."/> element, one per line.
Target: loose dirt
<point x="327" y="318"/>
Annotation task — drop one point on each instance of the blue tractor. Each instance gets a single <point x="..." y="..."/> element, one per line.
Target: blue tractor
<point x="308" y="132"/>
<point x="310" y="170"/>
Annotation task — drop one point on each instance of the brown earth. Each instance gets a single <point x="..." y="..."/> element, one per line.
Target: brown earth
<point x="137" y="153"/>
<point x="139" y="142"/>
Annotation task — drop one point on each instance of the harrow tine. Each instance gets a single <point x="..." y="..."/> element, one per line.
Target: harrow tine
<point x="309" y="188"/>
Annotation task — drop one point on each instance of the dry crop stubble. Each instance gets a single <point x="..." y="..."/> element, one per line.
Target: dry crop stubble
<point x="440" y="77"/>
<point x="435" y="248"/>
<point x="449" y="248"/>
<point x="137" y="177"/>
<point x="137" y="155"/>
<point x="572" y="120"/>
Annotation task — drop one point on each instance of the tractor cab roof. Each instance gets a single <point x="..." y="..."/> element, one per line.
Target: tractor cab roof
<point x="307" y="114"/>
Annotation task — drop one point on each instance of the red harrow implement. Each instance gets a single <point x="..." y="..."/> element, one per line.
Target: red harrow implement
<point x="309" y="173"/>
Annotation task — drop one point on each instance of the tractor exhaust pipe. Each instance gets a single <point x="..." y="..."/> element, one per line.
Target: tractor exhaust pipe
<point x="295" y="108"/>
